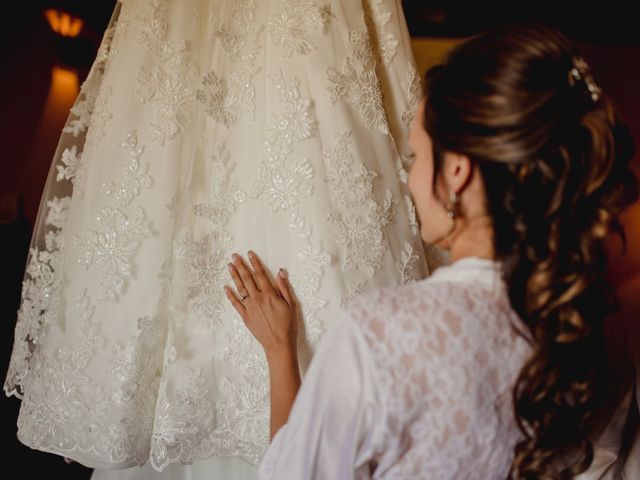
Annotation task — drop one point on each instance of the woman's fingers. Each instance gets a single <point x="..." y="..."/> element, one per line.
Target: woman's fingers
<point x="246" y="276"/>
<point x="270" y="312"/>
<point x="284" y="287"/>
<point x="260" y="274"/>
<point x="235" y="301"/>
<point x="237" y="281"/>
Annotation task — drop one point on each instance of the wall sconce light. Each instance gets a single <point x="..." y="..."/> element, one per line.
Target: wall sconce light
<point x="63" y="23"/>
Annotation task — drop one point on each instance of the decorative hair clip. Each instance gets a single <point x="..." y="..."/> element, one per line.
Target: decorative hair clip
<point x="580" y="72"/>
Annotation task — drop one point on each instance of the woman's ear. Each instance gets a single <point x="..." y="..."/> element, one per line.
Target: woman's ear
<point x="457" y="171"/>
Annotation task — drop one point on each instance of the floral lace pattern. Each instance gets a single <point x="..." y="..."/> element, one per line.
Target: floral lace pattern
<point x="187" y="413"/>
<point x="358" y="84"/>
<point x="99" y="117"/>
<point x="229" y="96"/>
<point x="70" y="163"/>
<point x="407" y="263"/>
<point x="206" y="261"/>
<point x="226" y="99"/>
<point x="167" y="84"/>
<point x="350" y="180"/>
<point x="413" y="91"/>
<point x="362" y="234"/>
<point x="355" y="290"/>
<point x="306" y="282"/>
<point x="111" y="249"/>
<point x="58" y="211"/>
<point x="243" y="412"/>
<point x="82" y="110"/>
<point x="60" y="386"/>
<point x="136" y="174"/>
<point x="385" y="43"/>
<point x="91" y="116"/>
<point x="38" y="303"/>
<point x="292" y="29"/>
<point x="225" y="193"/>
<point x="286" y="183"/>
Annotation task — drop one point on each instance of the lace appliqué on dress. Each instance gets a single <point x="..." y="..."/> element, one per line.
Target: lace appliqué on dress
<point x="243" y="411"/>
<point x="359" y="224"/>
<point x="306" y="282"/>
<point x="111" y="249"/>
<point x="349" y="179"/>
<point x="168" y="83"/>
<point x="293" y="30"/>
<point x="99" y="117"/>
<point x="136" y="174"/>
<point x="225" y="192"/>
<point x="182" y="419"/>
<point x="206" y="262"/>
<point x="357" y="83"/>
<point x="228" y="96"/>
<point x="407" y="263"/>
<point x="83" y="418"/>
<point x="362" y="234"/>
<point x="385" y="43"/>
<point x="283" y="182"/>
<point x="413" y="91"/>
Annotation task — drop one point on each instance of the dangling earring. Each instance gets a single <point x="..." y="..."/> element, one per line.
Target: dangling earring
<point x="452" y="212"/>
<point x="452" y="205"/>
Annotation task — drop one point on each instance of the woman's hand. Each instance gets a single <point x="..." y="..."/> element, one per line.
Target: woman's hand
<point x="270" y="312"/>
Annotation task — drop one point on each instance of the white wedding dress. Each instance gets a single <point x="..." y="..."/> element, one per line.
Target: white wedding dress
<point x="208" y="127"/>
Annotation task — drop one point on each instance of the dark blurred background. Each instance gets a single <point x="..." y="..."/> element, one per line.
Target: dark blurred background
<point x="43" y="69"/>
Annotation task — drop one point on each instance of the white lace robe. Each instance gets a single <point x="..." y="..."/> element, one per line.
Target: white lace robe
<point x="414" y="382"/>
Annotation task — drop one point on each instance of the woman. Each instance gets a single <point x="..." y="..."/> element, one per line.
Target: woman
<point x="199" y="117"/>
<point x="506" y="362"/>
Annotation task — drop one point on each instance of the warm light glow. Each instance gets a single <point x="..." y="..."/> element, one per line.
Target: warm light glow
<point x="63" y="24"/>
<point x="64" y="89"/>
<point x="64" y="84"/>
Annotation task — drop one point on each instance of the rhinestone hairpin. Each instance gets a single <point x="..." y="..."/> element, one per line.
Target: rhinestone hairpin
<point x="580" y="72"/>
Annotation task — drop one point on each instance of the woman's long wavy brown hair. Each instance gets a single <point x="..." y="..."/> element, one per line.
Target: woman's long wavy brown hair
<point x="555" y="163"/>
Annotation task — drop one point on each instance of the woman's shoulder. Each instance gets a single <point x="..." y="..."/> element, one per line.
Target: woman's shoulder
<point x="395" y="300"/>
<point x="463" y="287"/>
<point x="443" y="314"/>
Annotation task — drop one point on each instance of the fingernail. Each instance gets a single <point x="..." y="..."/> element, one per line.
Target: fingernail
<point x="283" y="273"/>
<point x="251" y="254"/>
<point x="230" y="267"/>
<point x="235" y="256"/>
